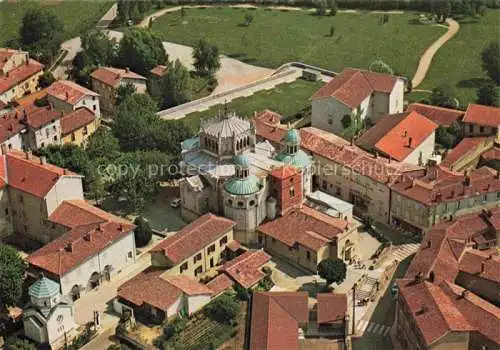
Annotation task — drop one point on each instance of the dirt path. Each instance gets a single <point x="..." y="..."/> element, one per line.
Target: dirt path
<point x="426" y="59"/>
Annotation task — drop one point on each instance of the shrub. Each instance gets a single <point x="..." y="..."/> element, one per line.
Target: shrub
<point x="224" y="309"/>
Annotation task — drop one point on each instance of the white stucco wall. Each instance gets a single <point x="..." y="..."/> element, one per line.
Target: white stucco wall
<point x="66" y="188"/>
<point x="53" y="328"/>
<point x="175" y="308"/>
<point x="91" y="102"/>
<point x="196" y="302"/>
<point x="426" y="148"/>
<point x="47" y="135"/>
<point x="396" y="98"/>
<point x="14" y="142"/>
<point x="327" y="113"/>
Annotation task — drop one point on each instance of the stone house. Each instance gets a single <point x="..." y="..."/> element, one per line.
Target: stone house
<point x="467" y="154"/>
<point x="196" y="248"/>
<point x="106" y="80"/>
<point x="19" y="74"/>
<point x="67" y="96"/>
<point x="481" y="120"/>
<point x="356" y="93"/>
<point x="77" y="126"/>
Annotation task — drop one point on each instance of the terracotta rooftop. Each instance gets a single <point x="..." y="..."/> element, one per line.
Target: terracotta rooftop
<point x="398" y="135"/>
<point x="331" y="308"/>
<point x="492" y="154"/>
<point x="39" y="117"/>
<point x="467" y="145"/>
<point x="187" y="285"/>
<point x="194" y="237"/>
<point x="112" y="76"/>
<point x="30" y="175"/>
<point x="220" y="283"/>
<point x="68" y="91"/>
<point x="284" y="172"/>
<point x="305" y="226"/>
<point x="482" y="115"/>
<point x="11" y="123"/>
<point x="19" y="74"/>
<point x="246" y="268"/>
<point x="76" y="120"/>
<point x="439" y="184"/>
<point x="31" y="98"/>
<point x="481" y="264"/>
<point x="439" y="115"/>
<point x="267" y="125"/>
<point x="276" y="317"/>
<point x="160" y="70"/>
<point x="233" y="246"/>
<point x="433" y="311"/>
<point x="352" y="86"/>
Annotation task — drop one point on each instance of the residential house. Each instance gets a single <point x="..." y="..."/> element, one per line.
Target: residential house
<point x="406" y="137"/>
<point x="92" y="246"/>
<point x="196" y="248"/>
<point x="246" y="269"/>
<point x="421" y="200"/>
<point x="12" y="129"/>
<point x="43" y="127"/>
<point x="355" y="95"/>
<point x="305" y="237"/>
<point x="155" y="297"/>
<point x="285" y="320"/>
<point x="481" y="120"/>
<point x="106" y="80"/>
<point x="77" y="126"/>
<point x="18" y="74"/>
<point x="445" y="117"/>
<point x="268" y="127"/>
<point x="35" y="190"/>
<point x="67" y="96"/>
<point x="467" y="154"/>
<point x="49" y="318"/>
<point x="154" y="81"/>
<point x="352" y="174"/>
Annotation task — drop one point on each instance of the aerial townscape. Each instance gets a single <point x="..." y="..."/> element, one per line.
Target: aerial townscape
<point x="250" y="175"/>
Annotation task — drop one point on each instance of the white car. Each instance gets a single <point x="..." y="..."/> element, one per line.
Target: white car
<point x="176" y="203"/>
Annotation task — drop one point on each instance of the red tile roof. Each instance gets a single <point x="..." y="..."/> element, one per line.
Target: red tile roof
<point x="467" y="145"/>
<point x="351" y="157"/>
<point x="220" y="283"/>
<point x="76" y="246"/>
<point x="481" y="264"/>
<point x="30" y="176"/>
<point x="188" y="285"/>
<point x="267" y="125"/>
<point x="11" y="123"/>
<point x="440" y="185"/>
<point x="284" y="172"/>
<point x="246" y="268"/>
<point x="433" y="311"/>
<point x="19" y="74"/>
<point x="30" y="99"/>
<point x="352" y="86"/>
<point x="439" y="115"/>
<point x="68" y="91"/>
<point x="76" y="120"/>
<point x="39" y="117"/>
<point x="148" y="287"/>
<point x="482" y="115"/>
<point x="331" y="308"/>
<point x="160" y="70"/>
<point x="112" y="76"/>
<point x="485" y="317"/>
<point x="233" y="246"/>
<point x="491" y="154"/>
<point x="305" y="226"/>
<point x="398" y="135"/>
<point x="78" y="212"/>
<point x="194" y="237"/>
<point x="276" y="317"/>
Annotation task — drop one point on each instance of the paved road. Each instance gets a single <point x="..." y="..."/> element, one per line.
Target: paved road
<point x="74" y="45"/>
<point x="426" y="59"/>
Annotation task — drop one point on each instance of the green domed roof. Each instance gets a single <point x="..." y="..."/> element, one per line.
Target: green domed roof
<point x="44" y="288"/>
<point x="241" y="160"/>
<point x="244" y="186"/>
<point x="292" y="137"/>
<point x="298" y="160"/>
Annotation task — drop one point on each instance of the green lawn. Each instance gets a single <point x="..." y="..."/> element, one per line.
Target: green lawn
<point x="286" y="99"/>
<point x="77" y="16"/>
<point x="458" y="62"/>
<point x="276" y="37"/>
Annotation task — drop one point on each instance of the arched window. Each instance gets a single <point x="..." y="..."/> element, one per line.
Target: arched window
<point x="241" y="204"/>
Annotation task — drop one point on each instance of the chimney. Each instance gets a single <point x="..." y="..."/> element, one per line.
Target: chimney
<point x="409" y="141"/>
<point x="87" y="237"/>
<point x="482" y="266"/>
<point x="68" y="247"/>
<point x="127" y="70"/>
<point x="43" y="160"/>
<point x="120" y="228"/>
<point x="467" y="180"/>
<point x="405" y="133"/>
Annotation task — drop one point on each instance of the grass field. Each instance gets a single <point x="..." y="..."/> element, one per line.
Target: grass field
<point x="286" y="99"/>
<point x="458" y="62"/>
<point x="276" y="37"/>
<point x="76" y="15"/>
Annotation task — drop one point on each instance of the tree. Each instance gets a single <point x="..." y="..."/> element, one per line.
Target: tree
<point x="141" y="50"/>
<point x="248" y="19"/>
<point x="12" y="270"/>
<point x="99" y="48"/>
<point x="445" y="138"/>
<point x="39" y="26"/>
<point x="346" y="121"/>
<point x="175" y="86"/>
<point x="102" y="144"/>
<point x="241" y="293"/>
<point x="320" y="7"/>
<point x="206" y="58"/>
<point x="123" y="92"/>
<point x="46" y="79"/>
<point x="380" y="66"/>
<point x="487" y="94"/>
<point x="443" y="96"/>
<point x="491" y="61"/>
<point x="143" y="232"/>
<point x="332" y="5"/>
<point x="14" y="343"/>
<point x="224" y="309"/>
<point x="332" y="270"/>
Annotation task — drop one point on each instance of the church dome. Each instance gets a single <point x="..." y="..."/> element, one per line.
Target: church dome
<point x="292" y="137"/>
<point x="43" y="288"/>
<point x="244" y="186"/>
<point x="300" y="159"/>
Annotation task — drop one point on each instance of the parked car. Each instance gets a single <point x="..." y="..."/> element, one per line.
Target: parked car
<point x="176" y="203"/>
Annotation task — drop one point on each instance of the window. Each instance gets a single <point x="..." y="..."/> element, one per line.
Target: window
<point x="230" y="202"/>
<point x="251" y="203"/>
<point x="471" y="128"/>
<point x="55" y="138"/>
<point x="274" y="240"/>
<point x="54" y="128"/>
<point x="6" y="211"/>
<point x="25" y="227"/>
<point x="10" y="145"/>
<point x="308" y="255"/>
<point x="292" y="192"/>
<point x="330" y="121"/>
<point x="42" y="144"/>
<point x="481" y="129"/>
<point x="94" y="107"/>
<point x="198" y="270"/>
<point x="197" y="257"/>
<point x="130" y="254"/>
<point x="241" y="204"/>
<point x="184" y="267"/>
<point x="73" y="137"/>
<point x="211" y="249"/>
<point x="223" y="241"/>
<point x="21" y="198"/>
<point x="85" y="130"/>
